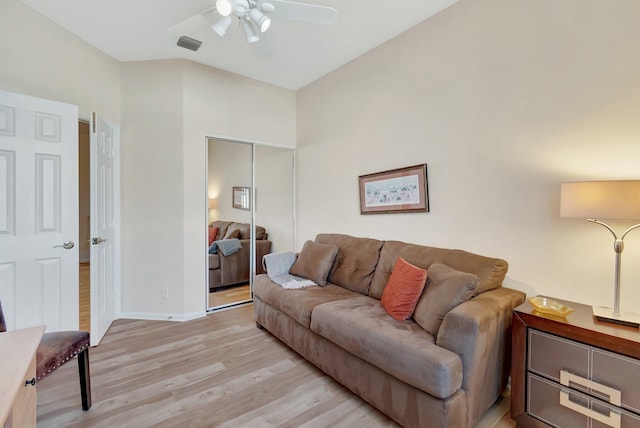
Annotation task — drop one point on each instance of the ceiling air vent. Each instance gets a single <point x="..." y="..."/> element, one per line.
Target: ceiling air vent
<point x="189" y="43"/>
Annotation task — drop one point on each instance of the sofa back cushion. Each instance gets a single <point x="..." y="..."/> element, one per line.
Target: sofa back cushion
<point x="356" y="260"/>
<point x="261" y="233"/>
<point x="490" y="271"/>
<point x="244" y="230"/>
<point x="222" y="227"/>
<point x="314" y="262"/>
<point x="446" y="288"/>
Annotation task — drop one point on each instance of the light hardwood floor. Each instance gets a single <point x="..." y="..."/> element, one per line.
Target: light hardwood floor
<point x="85" y="297"/>
<point x="218" y="371"/>
<point x="229" y="295"/>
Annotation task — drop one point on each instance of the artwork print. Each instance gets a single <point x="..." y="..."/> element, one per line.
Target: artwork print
<point x="398" y="190"/>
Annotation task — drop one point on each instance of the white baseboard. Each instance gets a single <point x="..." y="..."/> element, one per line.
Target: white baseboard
<point x="162" y="317"/>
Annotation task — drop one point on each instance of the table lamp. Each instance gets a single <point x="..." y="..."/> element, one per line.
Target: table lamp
<point x="606" y="200"/>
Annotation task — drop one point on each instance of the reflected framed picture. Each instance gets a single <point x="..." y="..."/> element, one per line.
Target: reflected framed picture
<point x="402" y="190"/>
<point x="241" y="198"/>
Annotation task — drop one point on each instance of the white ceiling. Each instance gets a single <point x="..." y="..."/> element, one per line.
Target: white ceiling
<point x="136" y="30"/>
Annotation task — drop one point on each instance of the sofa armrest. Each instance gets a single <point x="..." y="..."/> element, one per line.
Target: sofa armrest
<point x="479" y="330"/>
<point x="262" y="247"/>
<point x="234" y="268"/>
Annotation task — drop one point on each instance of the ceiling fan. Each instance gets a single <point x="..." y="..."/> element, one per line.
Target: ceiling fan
<point x="254" y="16"/>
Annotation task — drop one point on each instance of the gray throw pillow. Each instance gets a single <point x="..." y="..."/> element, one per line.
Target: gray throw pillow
<point x="446" y="288"/>
<point x="314" y="262"/>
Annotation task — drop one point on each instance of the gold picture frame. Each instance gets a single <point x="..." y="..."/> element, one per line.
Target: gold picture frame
<point x="241" y="198"/>
<point x="401" y="190"/>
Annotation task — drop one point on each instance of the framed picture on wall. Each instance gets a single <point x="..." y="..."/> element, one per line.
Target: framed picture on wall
<point x="241" y="198"/>
<point x="400" y="190"/>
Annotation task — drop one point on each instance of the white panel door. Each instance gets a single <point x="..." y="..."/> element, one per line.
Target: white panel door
<point x="38" y="212"/>
<point x="104" y="215"/>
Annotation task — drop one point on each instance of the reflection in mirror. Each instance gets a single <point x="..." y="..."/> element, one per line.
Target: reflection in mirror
<point x="271" y="206"/>
<point x="229" y="167"/>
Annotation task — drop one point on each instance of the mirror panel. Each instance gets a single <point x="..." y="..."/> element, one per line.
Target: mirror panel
<point x="230" y="168"/>
<point x="274" y="181"/>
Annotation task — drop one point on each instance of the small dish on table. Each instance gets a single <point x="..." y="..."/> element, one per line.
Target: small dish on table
<point x="549" y="306"/>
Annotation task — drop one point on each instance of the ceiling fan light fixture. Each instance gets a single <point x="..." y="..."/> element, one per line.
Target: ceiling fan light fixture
<point x="222" y="25"/>
<point x="224" y="7"/>
<point x="262" y="22"/>
<point x="240" y="8"/>
<point x="250" y="31"/>
<point x="267" y="7"/>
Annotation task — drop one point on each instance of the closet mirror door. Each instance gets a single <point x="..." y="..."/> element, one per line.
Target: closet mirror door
<point x="274" y="200"/>
<point x="229" y="169"/>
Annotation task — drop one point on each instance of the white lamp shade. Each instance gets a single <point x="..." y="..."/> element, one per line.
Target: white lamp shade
<point x="250" y="31"/>
<point x="262" y="22"/>
<point x="221" y="25"/>
<point x="602" y="200"/>
<point x="224" y="7"/>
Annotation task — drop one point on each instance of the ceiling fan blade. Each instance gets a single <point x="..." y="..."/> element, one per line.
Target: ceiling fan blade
<point x="193" y="23"/>
<point x="309" y="13"/>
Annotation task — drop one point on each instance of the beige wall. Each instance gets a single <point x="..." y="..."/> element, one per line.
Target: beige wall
<point x="41" y="59"/>
<point x="168" y="109"/>
<point x="151" y="187"/>
<point x="504" y="100"/>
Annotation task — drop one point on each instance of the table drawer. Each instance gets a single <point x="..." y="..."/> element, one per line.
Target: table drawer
<point x="565" y="408"/>
<point x="549" y="355"/>
<point x="611" y="377"/>
<point x="619" y="372"/>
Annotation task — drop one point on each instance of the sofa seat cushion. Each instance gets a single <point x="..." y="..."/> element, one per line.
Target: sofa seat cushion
<point x="401" y="348"/>
<point x="298" y="303"/>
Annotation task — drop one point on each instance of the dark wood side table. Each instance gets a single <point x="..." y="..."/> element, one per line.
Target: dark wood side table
<point x="574" y="371"/>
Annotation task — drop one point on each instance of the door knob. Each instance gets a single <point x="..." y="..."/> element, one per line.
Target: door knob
<point x="67" y="245"/>
<point x="98" y="240"/>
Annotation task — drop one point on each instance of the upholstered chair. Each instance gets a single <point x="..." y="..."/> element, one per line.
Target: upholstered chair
<point x="57" y="348"/>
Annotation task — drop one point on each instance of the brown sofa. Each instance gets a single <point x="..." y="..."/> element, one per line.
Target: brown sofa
<point x="234" y="268"/>
<point x="419" y="379"/>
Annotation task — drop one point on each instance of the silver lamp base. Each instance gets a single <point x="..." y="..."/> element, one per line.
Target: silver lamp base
<point x="624" y="318"/>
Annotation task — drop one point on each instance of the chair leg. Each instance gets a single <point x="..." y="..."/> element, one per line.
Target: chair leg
<point x="85" y="379"/>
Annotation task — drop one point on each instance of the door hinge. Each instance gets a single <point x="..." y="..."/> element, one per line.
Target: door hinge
<point x="93" y="121"/>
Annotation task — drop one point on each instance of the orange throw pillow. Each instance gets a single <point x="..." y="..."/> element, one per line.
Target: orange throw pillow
<point x="213" y="233"/>
<point x="401" y="294"/>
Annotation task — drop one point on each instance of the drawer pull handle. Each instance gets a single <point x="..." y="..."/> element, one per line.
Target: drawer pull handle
<point x="615" y="396"/>
<point x="613" y="420"/>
